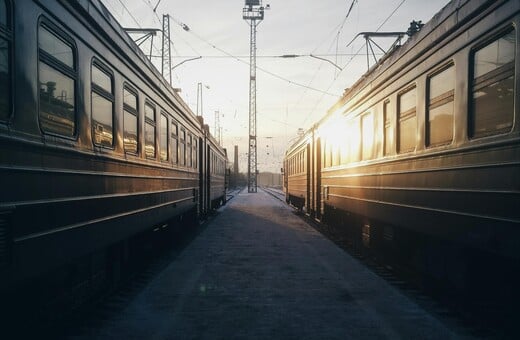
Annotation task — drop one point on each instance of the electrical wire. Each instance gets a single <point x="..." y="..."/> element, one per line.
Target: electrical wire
<point x="259" y="68"/>
<point x="341" y="27"/>
<point x="182" y="25"/>
<point x="352" y="58"/>
<point x="338" y="28"/>
<point x="186" y="28"/>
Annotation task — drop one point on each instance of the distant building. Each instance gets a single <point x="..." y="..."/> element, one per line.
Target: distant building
<point x="269" y="179"/>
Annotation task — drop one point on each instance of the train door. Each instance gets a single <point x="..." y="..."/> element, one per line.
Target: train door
<point x="208" y="177"/>
<point x="202" y="193"/>
<point x="308" y="178"/>
<point x="285" y="173"/>
<point x="317" y="188"/>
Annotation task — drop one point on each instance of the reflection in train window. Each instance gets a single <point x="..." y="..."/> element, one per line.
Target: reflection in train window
<point x="55" y="47"/>
<point x="57" y="79"/>
<point x="493" y="87"/>
<point x="130" y="121"/>
<point x="188" y="151"/>
<point x="149" y="130"/>
<point x="102" y="78"/>
<point x="5" y="62"/>
<point x="182" y="147"/>
<point x="354" y="140"/>
<point x="102" y="107"/>
<point x="175" y="148"/>
<point x="163" y="138"/>
<point x="327" y="159"/>
<point x="389" y="132"/>
<point x="407" y="121"/>
<point x="195" y="152"/>
<point x="439" y="122"/>
<point x="367" y="136"/>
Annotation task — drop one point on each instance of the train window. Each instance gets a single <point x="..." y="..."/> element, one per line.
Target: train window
<point x="407" y="121"/>
<point x="336" y="157"/>
<point x="102" y="106"/>
<point x="130" y="115"/>
<point x="327" y="155"/>
<point x="188" y="151"/>
<point x="57" y="78"/>
<point x="354" y="140"/>
<point x="175" y="149"/>
<point x="149" y="130"/>
<point x="493" y="87"/>
<point x="182" y="147"/>
<point x="101" y="77"/>
<point x="55" y="46"/>
<point x="439" y="122"/>
<point x="367" y="136"/>
<point x="195" y="152"/>
<point x="5" y="60"/>
<point x="130" y="99"/>
<point x="163" y="138"/>
<point x="389" y="132"/>
<point x="3" y="13"/>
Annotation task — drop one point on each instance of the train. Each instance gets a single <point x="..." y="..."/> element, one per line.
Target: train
<point x="96" y="146"/>
<point x="420" y="158"/>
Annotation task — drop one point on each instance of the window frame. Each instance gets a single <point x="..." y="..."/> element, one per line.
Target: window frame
<point x="182" y="146"/>
<point x="153" y="123"/>
<point x="404" y="116"/>
<point x="363" y="119"/>
<point x="189" y="159"/>
<point x="388" y="139"/>
<point x="195" y="152"/>
<point x="488" y="79"/>
<point x="440" y="100"/>
<point x="133" y="111"/>
<point x="59" y="66"/>
<point x="174" y="137"/>
<point x="102" y="92"/>
<point x="167" y="126"/>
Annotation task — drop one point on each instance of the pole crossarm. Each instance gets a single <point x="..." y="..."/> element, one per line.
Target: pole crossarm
<point x="152" y="31"/>
<point x="369" y="42"/>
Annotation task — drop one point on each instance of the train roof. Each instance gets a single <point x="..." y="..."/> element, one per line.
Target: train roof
<point x="443" y="23"/>
<point x="105" y="24"/>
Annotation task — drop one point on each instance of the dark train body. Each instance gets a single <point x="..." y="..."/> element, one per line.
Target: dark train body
<point x="424" y="150"/>
<point x="95" y="146"/>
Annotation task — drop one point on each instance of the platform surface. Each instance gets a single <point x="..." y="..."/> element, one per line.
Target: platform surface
<point x="258" y="271"/>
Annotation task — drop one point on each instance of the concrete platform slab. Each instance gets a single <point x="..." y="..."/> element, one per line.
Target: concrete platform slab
<point x="260" y="272"/>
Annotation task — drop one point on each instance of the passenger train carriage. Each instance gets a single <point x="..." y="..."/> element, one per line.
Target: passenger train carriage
<point x="426" y="143"/>
<point x="95" y="145"/>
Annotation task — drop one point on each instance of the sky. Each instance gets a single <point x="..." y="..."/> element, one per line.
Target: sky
<point x="292" y="93"/>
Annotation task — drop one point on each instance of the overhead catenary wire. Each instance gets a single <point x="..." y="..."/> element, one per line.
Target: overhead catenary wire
<point x="352" y="58"/>
<point x="338" y="28"/>
<point x="189" y="30"/>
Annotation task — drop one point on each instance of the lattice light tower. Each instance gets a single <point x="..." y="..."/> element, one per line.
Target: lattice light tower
<point x="166" y="51"/>
<point x="253" y="13"/>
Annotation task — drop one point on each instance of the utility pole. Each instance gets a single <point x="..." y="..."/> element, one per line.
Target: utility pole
<point x="253" y="13"/>
<point x="199" y="99"/>
<point x="217" y="126"/>
<point x="166" y="51"/>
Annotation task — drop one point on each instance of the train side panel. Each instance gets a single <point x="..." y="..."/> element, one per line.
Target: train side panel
<point x="71" y="186"/>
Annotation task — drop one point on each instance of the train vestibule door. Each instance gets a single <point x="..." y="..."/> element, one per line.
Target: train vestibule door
<point x="317" y="176"/>
<point x="308" y="179"/>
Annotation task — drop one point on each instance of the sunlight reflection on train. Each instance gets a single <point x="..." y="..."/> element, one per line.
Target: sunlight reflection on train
<point x="342" y="138"/>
